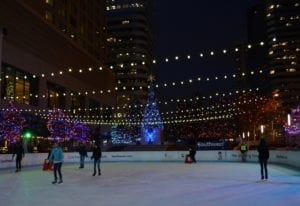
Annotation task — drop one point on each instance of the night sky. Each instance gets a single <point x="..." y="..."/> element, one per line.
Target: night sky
<point x="193" y="26"/>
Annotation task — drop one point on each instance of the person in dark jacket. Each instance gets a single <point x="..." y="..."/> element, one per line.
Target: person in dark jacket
<point x="19" y="152"/>
<point x="97" y="153"/>
<point x="263" y="156"/>
<point x="192" y="153"/>
<point x="83" y="154"/>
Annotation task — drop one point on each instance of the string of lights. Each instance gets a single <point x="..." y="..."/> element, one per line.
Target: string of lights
<point x="173" y="84"/>
<point x="141" y="106"/>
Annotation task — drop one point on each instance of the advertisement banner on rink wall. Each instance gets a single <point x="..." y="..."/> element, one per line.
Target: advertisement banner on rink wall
<point x="37" y="159"/>
<point x="211" y="145"/>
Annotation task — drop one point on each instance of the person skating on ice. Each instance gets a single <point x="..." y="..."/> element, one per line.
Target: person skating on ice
<point x="97" y="153"/>
<point x="19" y="152"/>
<point x="83" y="154"/>
<point x="263" y="156"/>
<point x="57" y="158"/>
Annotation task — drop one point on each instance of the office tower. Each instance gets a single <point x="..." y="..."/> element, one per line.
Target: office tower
<point x="277" y="24"/>
<point x="283" y="39"/>
<point x="130" y="48"/>
<point x="252" y="55"/>
<point x="53" y="55"/>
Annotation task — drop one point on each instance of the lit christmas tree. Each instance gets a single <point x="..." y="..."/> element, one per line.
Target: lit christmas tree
<point x="11" y="124"/>
<point x="79" y="131"/>
<point x="152" y="125"/>
<point x="58" y="125"/>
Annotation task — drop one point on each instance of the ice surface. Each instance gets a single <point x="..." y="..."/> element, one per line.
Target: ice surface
<point x="153" y="184"/>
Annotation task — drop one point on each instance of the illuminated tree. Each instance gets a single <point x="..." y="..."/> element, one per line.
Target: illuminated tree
<point x="12" y="124"/>
<point x="58" y="125"/>
<point x="79" y="131"/>
<point x="152" y="125"/>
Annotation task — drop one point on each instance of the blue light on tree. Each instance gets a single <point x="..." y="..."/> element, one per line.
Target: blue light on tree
<point x="152" y="125"/>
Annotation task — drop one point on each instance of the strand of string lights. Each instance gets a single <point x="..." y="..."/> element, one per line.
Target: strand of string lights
<point x="171" y="101"/>
<point x="234" y="107"/>
<point x="172" y="84"/>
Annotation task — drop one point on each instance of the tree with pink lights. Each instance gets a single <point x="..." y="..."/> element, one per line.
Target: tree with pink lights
<point x="11" y="124"/>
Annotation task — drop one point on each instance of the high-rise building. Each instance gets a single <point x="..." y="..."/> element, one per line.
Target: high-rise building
<point x="276" y="23"/>
<point x="252" y="56"/>
<point x="130" y="48"/>
<point x="53" y="55"/>
<point x="283" y="39"/>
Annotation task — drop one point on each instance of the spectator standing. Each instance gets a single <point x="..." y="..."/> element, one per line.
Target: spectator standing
<point x="263" y="156"/>
<point x="244" y="150"/>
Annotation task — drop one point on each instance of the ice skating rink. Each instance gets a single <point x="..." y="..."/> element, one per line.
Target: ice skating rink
<point x="153" y="184"/>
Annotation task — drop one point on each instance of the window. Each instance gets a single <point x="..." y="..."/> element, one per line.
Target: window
<point x="18" y="85"/>
<point x="56" y="97"/>
<point x="50" y="2"/>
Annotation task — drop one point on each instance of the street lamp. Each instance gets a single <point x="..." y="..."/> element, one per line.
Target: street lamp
<point x="248" y="136"/>
<point x="289" y="119"/>
<point x="262" y="127"/>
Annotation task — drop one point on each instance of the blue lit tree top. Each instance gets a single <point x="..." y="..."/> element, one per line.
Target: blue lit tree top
<point x="11" y="124"/>
<point x="151" y="124"/>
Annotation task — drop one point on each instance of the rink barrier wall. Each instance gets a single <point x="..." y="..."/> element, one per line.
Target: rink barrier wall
<point x="290" y="158"/>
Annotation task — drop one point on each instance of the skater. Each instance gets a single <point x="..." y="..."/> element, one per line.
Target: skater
<point x="263" y="156"/>
<point x="57" y="157"/>
<point x="19" y="152"/>
<point x="97" y="158"/>
<point x="83" y="154"/>
<point x="192" y="153"/>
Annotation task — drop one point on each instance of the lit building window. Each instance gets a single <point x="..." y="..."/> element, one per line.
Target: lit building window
<point x="48" y="16"/>
<point x="18" y="86"/>
<point x="50" y="2"/>
<point x="125" y="22"/>
<point x="291" y="70"/>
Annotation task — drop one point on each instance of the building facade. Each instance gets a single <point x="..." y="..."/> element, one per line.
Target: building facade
<point x="283" y="39"/>
<point x="53" y="55"/>
<point x="130" y="48"/>
<point x="274" y="34"/>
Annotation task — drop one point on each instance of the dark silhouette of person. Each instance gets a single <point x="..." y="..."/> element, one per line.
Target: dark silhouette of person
<point x="192" y="153"/>
<point x="19" y="152"/>
<point x="97" y="153"/>
<point x="263" y="156"/>
<point x="83" y="154"/>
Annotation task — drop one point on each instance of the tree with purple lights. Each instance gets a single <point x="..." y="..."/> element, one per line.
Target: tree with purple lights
<point x="58" y="125"/>
<point x="79" y="131"/>
<point x="293" y="125"/>
<point x="11" y="124"/>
